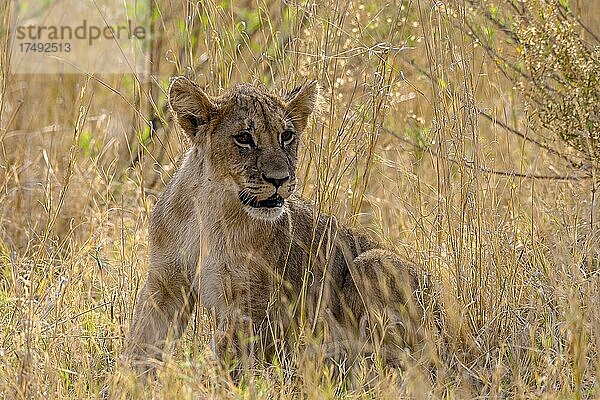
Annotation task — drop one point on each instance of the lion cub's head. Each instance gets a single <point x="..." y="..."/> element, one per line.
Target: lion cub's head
<point x="249" y="138"/>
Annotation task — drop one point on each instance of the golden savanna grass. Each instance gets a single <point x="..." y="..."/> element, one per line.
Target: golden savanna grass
<point x="415" y="141"/>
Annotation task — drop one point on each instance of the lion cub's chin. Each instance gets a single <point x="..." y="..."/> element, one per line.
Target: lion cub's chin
<point x="265" y="214"/>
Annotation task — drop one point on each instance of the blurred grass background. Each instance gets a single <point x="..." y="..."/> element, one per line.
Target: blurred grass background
<point x="463" y="133"/>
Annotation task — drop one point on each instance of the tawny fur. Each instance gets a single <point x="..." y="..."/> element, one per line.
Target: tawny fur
<point x="270" y="274"/>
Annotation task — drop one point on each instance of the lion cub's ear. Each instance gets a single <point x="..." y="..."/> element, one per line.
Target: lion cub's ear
<point x="301" y="102"/>
<point x="192" y="107"/>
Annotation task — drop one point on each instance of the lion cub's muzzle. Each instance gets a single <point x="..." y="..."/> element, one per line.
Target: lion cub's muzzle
<point x="268" y="202"/>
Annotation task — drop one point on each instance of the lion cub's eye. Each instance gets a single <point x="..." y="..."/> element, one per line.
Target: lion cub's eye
<point x="287" y="137"/>
<point x="244" y="139"/>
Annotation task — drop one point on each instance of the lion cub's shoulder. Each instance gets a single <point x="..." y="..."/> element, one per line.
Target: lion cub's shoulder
<point x="310" y="223"/>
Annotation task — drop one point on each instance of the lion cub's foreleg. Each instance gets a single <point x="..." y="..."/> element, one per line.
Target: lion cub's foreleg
<point x="233" y="341"/>
<point x="162" y="310"/>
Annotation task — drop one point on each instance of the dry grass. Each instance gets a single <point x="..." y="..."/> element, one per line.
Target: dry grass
<point x="400" y="147"/>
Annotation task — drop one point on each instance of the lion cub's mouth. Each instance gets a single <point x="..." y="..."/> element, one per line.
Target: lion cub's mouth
<point x="274" y="201"/>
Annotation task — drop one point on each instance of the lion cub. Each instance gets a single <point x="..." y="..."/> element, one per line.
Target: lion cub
<point x="229" y="232"/>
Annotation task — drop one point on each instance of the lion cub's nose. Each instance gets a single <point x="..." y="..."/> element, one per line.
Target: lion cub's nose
<point x="277" y="182"/>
